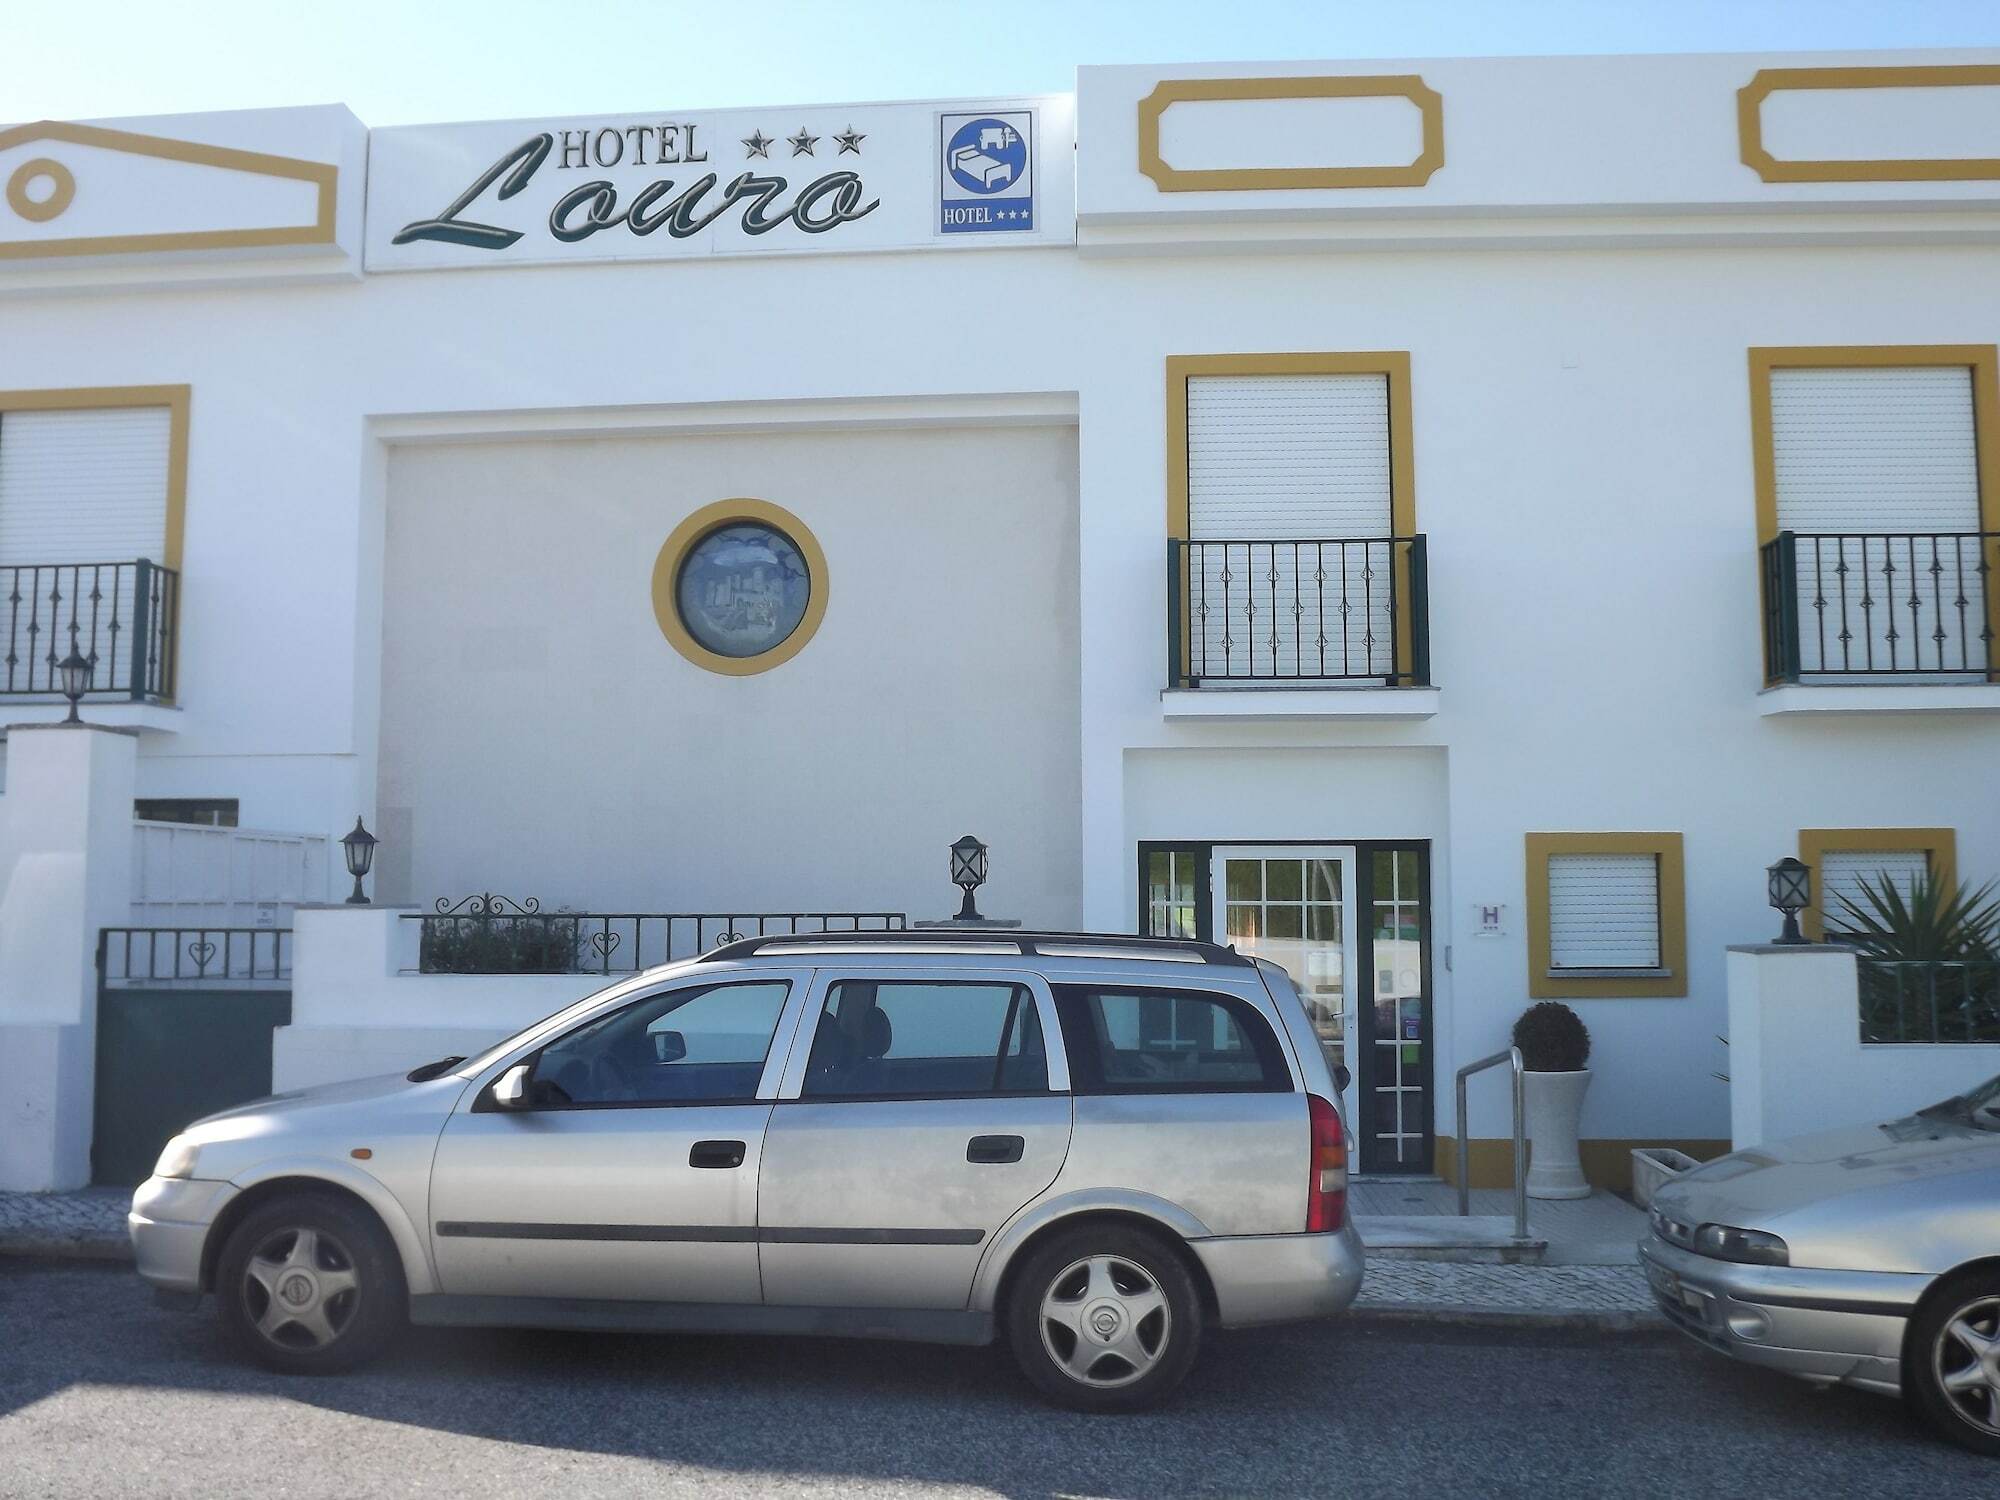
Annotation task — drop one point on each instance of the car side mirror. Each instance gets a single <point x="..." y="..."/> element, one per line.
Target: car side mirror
<point x="1341" y="1077"/>
<point x="510" y="1089"/>
<point x="669" y="1046"/>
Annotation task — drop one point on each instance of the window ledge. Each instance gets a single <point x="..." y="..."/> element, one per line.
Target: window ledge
<point x="1281" y="703"/>
<point x="1879" y="698"/>
<point x="152" y="718"/>
<point x="1611" y="973"/>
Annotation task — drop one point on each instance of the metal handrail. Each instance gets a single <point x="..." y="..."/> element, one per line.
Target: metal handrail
<point x="1511" y="1056"/>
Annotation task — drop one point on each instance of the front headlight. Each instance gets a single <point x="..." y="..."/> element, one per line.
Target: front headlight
<point x="177" y="1160"/>
<point x="1751" y="1247"/>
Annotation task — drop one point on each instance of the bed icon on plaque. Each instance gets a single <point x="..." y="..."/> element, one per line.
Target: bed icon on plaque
<point x="986" y="173"/>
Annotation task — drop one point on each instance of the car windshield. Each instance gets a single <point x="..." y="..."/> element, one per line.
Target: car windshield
<point x="1978" y="1107"/>
<point x="548" y="1023"/>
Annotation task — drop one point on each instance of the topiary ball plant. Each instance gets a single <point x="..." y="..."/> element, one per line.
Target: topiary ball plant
<point x="1552" y="1039"/>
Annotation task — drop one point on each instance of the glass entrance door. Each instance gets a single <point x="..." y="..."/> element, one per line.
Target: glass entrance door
<point x="1295" y="906"/>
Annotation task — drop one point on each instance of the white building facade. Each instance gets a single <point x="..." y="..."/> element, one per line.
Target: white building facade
<point x="1446" y="524"/>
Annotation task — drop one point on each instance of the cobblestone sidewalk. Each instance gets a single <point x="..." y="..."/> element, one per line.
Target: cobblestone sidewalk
<point x="1445" y="1291"/>
<point x="86" y="1225"/>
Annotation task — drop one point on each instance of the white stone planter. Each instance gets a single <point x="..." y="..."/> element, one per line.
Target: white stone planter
<point x="1555" y="1104"/>
<point x="1653" y="1167"/>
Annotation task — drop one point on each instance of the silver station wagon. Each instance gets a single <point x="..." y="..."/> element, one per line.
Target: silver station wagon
<point x="1092" y="1147"/>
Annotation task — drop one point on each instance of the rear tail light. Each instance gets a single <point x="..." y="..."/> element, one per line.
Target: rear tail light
<point x="1326" y="1188"/>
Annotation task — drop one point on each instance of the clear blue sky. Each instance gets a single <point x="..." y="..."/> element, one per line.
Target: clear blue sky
<point x="401" y="61"/>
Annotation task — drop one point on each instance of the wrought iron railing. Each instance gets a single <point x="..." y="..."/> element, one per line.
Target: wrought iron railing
<point x="121" y="617"/>
<point x="1936" y="1000"/>
<point x="1310" y="610"/>
<point x="1880" y="604"/>
<point x="489" y="934"/>
<point x="195" y="956"/>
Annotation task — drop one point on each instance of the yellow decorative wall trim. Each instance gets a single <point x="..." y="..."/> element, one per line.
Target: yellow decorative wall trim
<point x="50" y="207"/>
<point x="1940" y="846"/>
<point x="1768" y="81"/>
<point x="1666" y="847"/>
<point x="1170" y="179"/>
<point x="1607" y="1162"/>
<point x="324" y="177"/>
<point x="1394" y="363"/>
<point x="1982" y="359"/>
<point x="176" y="398"/>
<point x="683" y="539"/>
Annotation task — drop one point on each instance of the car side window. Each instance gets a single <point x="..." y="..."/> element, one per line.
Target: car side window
<point x="910" y="1039"/>
<point x="682" y="1047"/>
<point x="1166" y="1041"/>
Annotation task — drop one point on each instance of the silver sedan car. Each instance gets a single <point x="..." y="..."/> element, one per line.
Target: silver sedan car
<point x="1090" y="1147"/>
<point x="1866" y="1257"/>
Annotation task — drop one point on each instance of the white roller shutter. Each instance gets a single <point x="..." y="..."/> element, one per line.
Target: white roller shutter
<point x="1841" y="872"/>
<point x="1604" y="911"/>
<point x="1290" y="458"/>
<point x="1886" y="451"/>
<point x="83" y="485"/>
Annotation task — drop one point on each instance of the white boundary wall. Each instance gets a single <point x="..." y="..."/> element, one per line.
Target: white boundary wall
<point x="1797" y="1063"/>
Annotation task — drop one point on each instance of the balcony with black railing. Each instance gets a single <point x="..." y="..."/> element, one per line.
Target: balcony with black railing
<point x="1301" y="613"/>
<point x="1880" y="606"/>
<point x="121" y="617"/>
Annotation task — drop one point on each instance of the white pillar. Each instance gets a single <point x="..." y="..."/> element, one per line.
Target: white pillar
<point x="66" y="861"/>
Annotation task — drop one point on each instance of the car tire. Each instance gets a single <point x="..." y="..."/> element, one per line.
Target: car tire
<point x="1105" y="1318"/>
<point x="1948" y="1376"/>
<point x="311" y="1285"/>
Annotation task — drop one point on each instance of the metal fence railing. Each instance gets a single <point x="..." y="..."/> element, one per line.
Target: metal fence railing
<point x="1317" y="609"/>
<point x="1937" y="1000"/>
<point x="1879" y="604"/>
<point x="195" y="957"/>
<point x="489" y="934"/>
<point x="121" y="617"/>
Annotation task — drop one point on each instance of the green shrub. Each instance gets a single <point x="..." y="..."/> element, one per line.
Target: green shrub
<point x="537" y="944"/>
<point x="1552" y="1039"/>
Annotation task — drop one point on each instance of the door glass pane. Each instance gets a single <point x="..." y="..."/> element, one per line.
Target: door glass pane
<point x="1170" y="893"/>
<point x="685" y="1045"/>
<point x="917" y="1040"/>
<point x="1397" y="1079"/>
<point x="1297" y="923"/>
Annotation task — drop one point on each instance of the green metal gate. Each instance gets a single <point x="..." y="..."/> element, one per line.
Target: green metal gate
<point x="184" y="1022"/>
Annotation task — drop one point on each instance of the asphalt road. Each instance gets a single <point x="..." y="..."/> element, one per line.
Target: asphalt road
<point x="102" y="1394"/>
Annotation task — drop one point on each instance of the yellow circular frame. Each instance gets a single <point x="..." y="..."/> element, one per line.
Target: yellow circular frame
<point x="696" y="528"/>
<point x="49" y="207"/>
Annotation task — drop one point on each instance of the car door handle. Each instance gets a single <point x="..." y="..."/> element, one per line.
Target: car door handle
<point x="993" y="1150"/>
<point x="716" y="1154"/>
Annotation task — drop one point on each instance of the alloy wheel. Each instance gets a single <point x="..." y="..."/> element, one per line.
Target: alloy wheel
<point x="301" y="1288"/>
<point x="1105" y="1321"/>
<point x="1965" y="1360"/>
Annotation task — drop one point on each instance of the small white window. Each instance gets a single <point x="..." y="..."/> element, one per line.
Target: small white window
<point x="1604" y="911"/>
<point x="1842" y="871"/>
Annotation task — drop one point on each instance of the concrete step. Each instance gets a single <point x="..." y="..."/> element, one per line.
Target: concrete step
<point x="1482" y="1238"/>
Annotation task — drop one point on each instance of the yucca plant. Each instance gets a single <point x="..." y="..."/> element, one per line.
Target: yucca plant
<point x="1930" y="966"/>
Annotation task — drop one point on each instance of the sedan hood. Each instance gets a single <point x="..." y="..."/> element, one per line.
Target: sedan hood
<point x="349" y="1091"/>
<point x="1752" y="1187"/>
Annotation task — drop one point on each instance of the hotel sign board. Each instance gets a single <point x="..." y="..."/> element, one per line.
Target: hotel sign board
<point x="672" y="185"/>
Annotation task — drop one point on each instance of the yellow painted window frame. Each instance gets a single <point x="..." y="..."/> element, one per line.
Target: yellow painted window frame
<point x="1940" y="846"/>
<point x="1394" y="363"/>
<point x="1666" y="848"/>
<point x="1984" y="362"/>
<point x="176" y="398"/>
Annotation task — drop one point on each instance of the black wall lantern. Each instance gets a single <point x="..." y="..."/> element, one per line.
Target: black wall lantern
<point x="359" y="847"/>
<point x="968" y="873"/>
<point x="1789" y="882"/>
<point x="75" y="672"/>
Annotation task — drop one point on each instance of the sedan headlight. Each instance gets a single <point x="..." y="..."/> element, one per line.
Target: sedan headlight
<point x="177" y="1160"/>
<point x="1751" y="1247"/>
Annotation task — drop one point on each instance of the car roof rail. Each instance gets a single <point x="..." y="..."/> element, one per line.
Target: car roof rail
<point x="1052" y="944"/>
